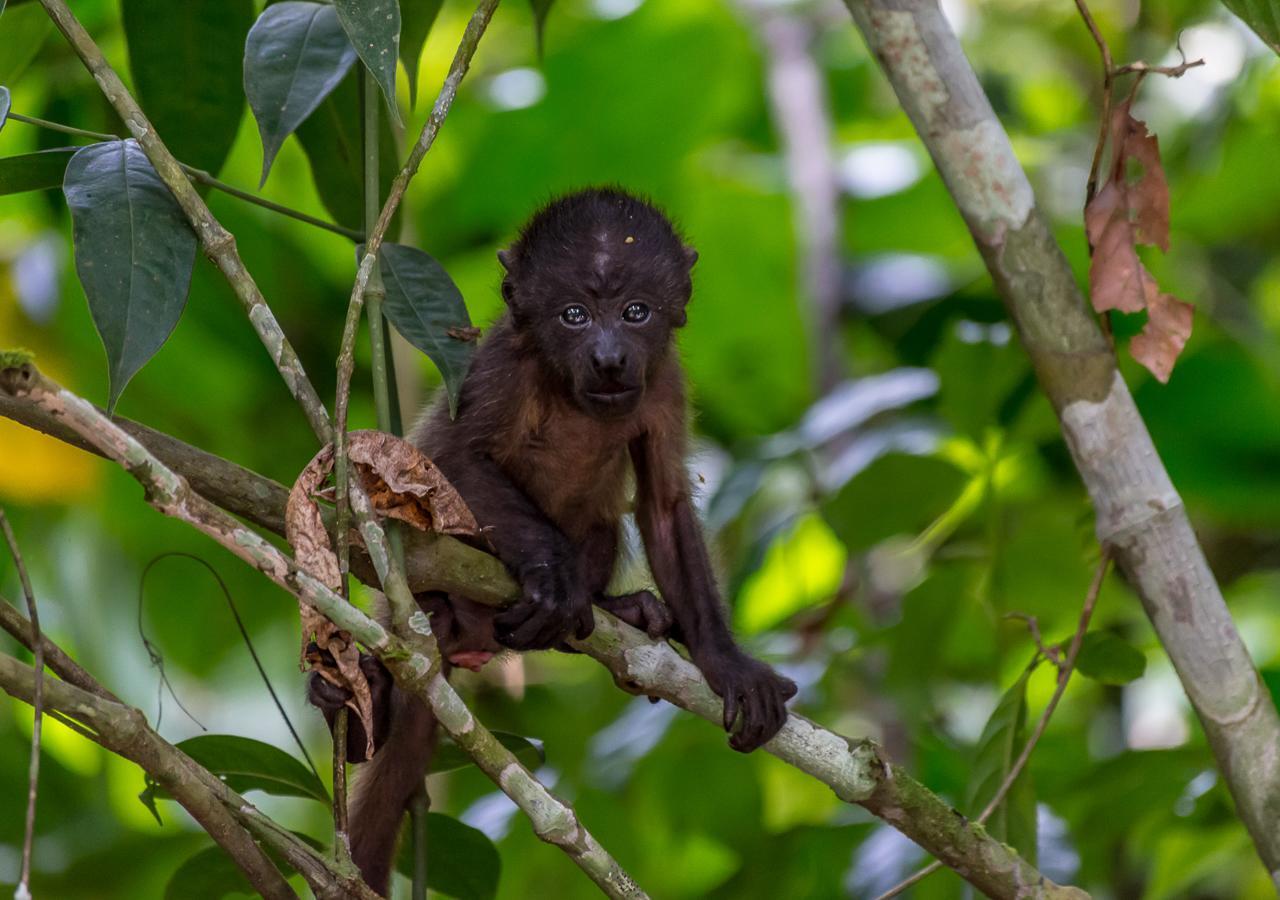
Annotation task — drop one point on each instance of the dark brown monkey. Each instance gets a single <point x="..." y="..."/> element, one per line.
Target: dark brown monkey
<point x="576" y="385"/>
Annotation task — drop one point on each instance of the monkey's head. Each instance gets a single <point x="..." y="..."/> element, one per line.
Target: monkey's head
<point x="597" y="282"/>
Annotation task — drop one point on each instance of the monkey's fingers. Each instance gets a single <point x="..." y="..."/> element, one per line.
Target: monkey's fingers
<point x="730" y="707"/>
<point x="586" y="622"/>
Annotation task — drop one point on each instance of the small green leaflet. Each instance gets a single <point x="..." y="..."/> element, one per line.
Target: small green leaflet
<point x="1110" y="659"/>
<point x="427" y="308"/>
<point x="1002" y="740"/>
<point x="4" y="96"/>
<point x="295" y="55"/>
<point x="34" y="171"/>
<point x="1263" y="16"/>
<point x="134" y="252"/>
<point x="463" y="861"/>
<point x="210" y="874"/>
<point x="247" y="765"/>
<point x="374" y="29"/>
<point x="417" y="17"/>
<point x="449" y="756"/>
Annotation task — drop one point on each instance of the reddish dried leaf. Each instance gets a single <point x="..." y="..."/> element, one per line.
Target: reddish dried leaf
<point x="1115" y="273"/>
<point x="403" y="484"/>
<point x="1168" y="327"/>
<point x="1149" y="195"/>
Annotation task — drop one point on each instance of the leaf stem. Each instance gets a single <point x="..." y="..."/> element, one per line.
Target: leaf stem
<point x="199" y="175"/>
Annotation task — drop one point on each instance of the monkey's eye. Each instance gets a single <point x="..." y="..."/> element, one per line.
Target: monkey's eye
<point x="575" y="316"/>
<point x="635" y="313"/>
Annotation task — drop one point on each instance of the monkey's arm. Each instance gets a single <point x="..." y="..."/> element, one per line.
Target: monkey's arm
<point x="682" y="568"/>
<point x="555" y="603"/>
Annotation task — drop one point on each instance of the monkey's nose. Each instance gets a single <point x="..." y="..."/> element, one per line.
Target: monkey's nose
<point x="609" y="362"/>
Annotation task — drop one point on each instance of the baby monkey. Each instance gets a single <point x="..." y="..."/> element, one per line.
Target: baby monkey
<point x="578" y="383"/>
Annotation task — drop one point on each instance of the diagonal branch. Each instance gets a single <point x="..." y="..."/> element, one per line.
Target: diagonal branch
<point x="854" y="770"/>
<point x="1139" y="513"/>
<point x="218" y="243"/>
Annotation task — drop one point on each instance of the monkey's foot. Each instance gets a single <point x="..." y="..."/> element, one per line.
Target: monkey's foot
<point x="640" y="610"/>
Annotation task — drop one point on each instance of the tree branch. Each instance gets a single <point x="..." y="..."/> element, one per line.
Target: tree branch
<point x="1139" y="513"/>
<point x="854" y="770"/>
<point x="218" y="243"/>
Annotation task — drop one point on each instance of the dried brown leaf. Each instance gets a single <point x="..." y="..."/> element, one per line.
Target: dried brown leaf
<point x="464" y="333"/>
<point x="1115" y="273"/>
<point x="403" y="484"/>
<point x="1168" y="327"/>
<point x="1149" y="194"/>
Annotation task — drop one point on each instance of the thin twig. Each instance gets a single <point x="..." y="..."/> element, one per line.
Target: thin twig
<point x="341" y="832"/>
<point x="23" y="891"/>
<point x="1064" y="675"/>
<point x="201" y="176"/>
<point x="219" y="244"/>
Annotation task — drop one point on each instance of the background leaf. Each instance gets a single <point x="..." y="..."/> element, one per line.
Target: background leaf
<point x="374" y="29"/>
<point x="906" y="492"/>
<point x="463" y="862"/>
<point x="1110" y="659"/>
<point x="4" y="105"/>
<point x="34" y="171"/>
<point x="21" y="36"/>
<point x="209" y="874"/>
<point x="295" y="55"/>
<point x="331" y="139"/>
<point x="423" y="304"/>
<point x="449" y="756"/>
<point x="1263" y="16"/>
<point x="186" y="64"/>
<point x="541" y="9"/>
<point x="134" y="253"/>
<point x="417" y="17"/>
<point x="246" y="764"/>
<point x="1014" y="821"/>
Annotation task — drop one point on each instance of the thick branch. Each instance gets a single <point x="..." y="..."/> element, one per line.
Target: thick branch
<point x="854" y="770"/>
<point x="1139" y="513"/>
<point x="218" y="243"/>
<point x="124" y="731"/>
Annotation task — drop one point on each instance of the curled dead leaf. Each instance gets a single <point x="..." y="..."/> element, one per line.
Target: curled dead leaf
<point x="404" y="484"/>
<point x="464" y="333"/>
<point x="1161" y="340"/>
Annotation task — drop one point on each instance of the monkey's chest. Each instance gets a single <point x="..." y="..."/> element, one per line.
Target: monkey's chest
<point x="578" y="487"/>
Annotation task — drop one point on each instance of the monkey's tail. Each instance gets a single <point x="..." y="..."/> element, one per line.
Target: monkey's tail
<point x="385" y="785"/>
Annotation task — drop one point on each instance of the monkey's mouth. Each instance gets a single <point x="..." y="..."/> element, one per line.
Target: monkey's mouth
<point x="612" y="396"/>
<point x="471" y="659"/>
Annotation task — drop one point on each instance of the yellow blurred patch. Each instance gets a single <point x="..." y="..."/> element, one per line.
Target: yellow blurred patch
<point x="801" y="569"/>
<point x="35" y="468"/>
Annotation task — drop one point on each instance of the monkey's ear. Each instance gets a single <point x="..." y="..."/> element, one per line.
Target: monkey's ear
<point x="690" y="256"/>
<point x="504" y="257"/>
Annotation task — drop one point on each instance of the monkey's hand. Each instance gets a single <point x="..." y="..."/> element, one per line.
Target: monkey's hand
<point x="330" y="698"/>
<point x="751" y="689"/>
<point x="640" y="610"/>
<point x="552" y="607"/>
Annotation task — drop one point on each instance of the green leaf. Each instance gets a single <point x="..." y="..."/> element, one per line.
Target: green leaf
<point x="449" y="756"/>
<point x="464" y="863"/>
<point x="374" y="29"/>
<point x="4" y="98"/>
<point x="1014" y="821"/>
<point x="1263" y="16"/>
<point x="21" y="37"/>
<point x="905" y="492"/>
<point x="331" y="139"/>
<point x="134" y="251"/>
<point x="34" y="171"/>
<point x="248" y="765"/>
<point x="186" y="64"/>
<point x="295" y="55"/>
<point x="424" y="305"/>
<point x="417" y="18"/>
<point x="541" y="9"/>
<point x="1110" y="659"/>
<point x="210" y="874"/>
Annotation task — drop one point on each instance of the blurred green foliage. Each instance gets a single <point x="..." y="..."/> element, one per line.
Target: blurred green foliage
<point x="872" y="548"/>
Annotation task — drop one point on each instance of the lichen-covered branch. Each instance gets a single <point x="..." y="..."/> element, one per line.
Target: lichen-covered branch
<point x="218" y="243"/>
<point x="854" y="770"/>
<point x="412" y="659"/>
<point x="1140" y="516"/>
<point x="124" y="731"/>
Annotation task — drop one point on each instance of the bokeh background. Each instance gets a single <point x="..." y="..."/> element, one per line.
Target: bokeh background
<point x="876" y="519"/>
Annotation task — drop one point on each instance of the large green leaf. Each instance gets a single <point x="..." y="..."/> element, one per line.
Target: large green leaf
<point x="449" y="756"/>
<point x="295" y="55"/>
<point x="896" y="494"/>
<point x="21" y="35"/>
<point x="1014" y="820"/>
<point x="331" y="139"/>
<point x="374" y="29"/>
<point x="34" y="171"/>
<point x="464" y="863"/>
<point x="186" y="63"/>
<point x="1263" y="16"/>
<point x="134" y="251"/>
<point x="210" y="874"/>
<point x="427" y="308"/>
<point x="248" y="765"/>
<point x="417" y="17"/>
<point x="1110" y="659"/>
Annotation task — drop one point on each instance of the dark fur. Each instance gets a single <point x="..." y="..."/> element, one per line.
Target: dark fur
<point x="550" y="420"/>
